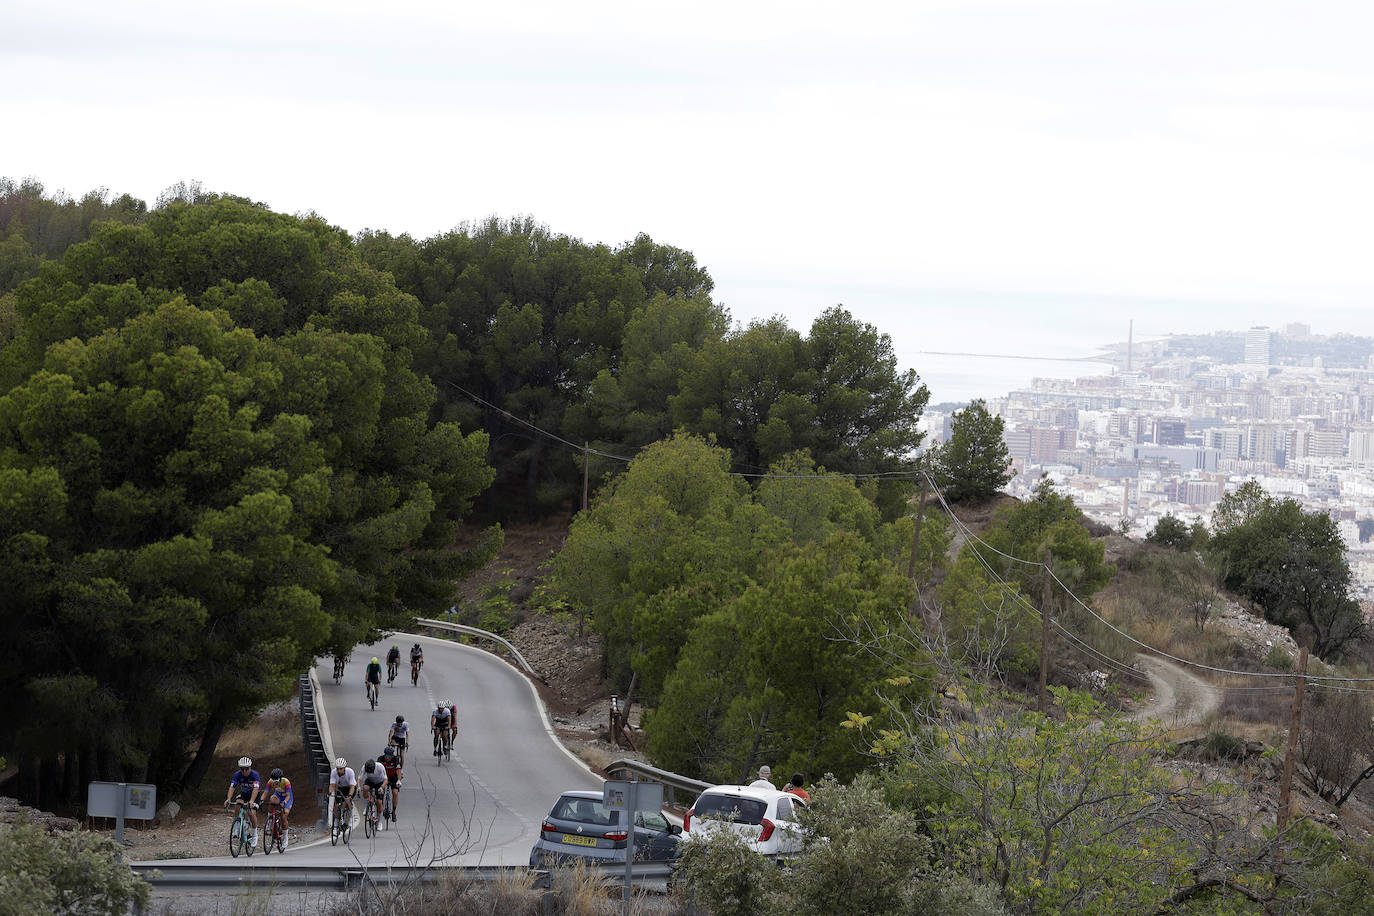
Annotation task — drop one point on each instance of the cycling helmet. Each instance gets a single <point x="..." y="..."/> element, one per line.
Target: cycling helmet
<point x="340" y="763"/>
<point x="245" y="763"/>
<point x="400" y="720"/>
<point x="388" y="751"/>
<point x="276" y="773"/>
<point x="444" y="704"/>
<point x="395" y="648"/>
<point x="374" y="659"/>
<point x="369" y="766"/>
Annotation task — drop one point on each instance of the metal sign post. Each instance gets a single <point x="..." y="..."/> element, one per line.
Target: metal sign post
<point x="120" y="800"/>
<point x="632" y="798"/>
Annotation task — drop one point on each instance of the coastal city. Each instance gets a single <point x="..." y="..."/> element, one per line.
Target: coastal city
<point x="1186" y="419"/>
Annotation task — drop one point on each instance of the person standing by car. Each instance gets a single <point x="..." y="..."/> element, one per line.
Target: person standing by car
<point x="795" y="787"/>
<point x="765" y="780"/>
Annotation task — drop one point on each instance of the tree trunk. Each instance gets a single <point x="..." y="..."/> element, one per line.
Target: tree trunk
<point x="205" y="755"/>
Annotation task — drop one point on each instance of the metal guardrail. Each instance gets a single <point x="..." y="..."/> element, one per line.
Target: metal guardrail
<point x="481" y="634"/>
<point x="314" y="733"/>
<point x="335" y="877"/>
<point x="672" y="782"/>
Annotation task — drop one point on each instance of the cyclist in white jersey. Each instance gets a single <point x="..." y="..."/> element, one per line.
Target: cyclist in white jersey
<point x="343" y="782"/>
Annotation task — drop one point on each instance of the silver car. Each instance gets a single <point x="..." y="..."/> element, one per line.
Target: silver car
<point x="580" y="826"/>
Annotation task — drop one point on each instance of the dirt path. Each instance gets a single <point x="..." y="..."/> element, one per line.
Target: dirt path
<point x="1181" y="697"/>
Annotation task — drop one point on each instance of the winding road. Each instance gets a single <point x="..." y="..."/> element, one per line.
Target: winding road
<point x="484" y="806"/>
<point x="1181" y="698"/>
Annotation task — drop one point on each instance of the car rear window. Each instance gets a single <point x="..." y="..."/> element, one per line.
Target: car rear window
<point x="733" y="808"/>
<point x="585" y="811"/>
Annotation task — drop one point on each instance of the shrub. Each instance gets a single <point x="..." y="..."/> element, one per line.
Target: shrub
<point x="65" y="873"/>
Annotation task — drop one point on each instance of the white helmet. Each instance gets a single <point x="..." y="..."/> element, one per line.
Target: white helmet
<point x="340" y="763"/>
<point x="444" y="704"/>
<point x="245" y="762"/>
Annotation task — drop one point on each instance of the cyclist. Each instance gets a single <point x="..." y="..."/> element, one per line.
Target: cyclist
<point x="392" y="763"/>
<point x="344" y="783"/>
<point x="339" y="661"/>
<point x="374" y="783"/>
<point x="278" y="793"/>
<point x="393" y="662"/>
<point x="443" y="720"/>
<point x="373" y="676"/>
<point x="246" y="782"/>
<point x="397" y="737"/>
<point x="417" y="660"/>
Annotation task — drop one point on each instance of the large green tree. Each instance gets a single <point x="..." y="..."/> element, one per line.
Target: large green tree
<point x="974" y="463"/>
<point x="221" y="465"/>
<point x="1290" y="562"/>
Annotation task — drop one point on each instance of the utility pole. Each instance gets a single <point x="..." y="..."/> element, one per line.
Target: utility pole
<point x="1047" y="597"/>
<point x="1286" y="783"/>
<point x="584" y="476"/>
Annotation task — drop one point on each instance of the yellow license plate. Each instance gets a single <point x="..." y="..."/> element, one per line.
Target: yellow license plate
<point x="579" y="840"/>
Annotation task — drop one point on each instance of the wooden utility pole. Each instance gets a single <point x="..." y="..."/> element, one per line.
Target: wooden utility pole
<point x="1294" y="729"/>
<point x="584" y="476"/>
<point x="1047" y="597"/>
<point x="1286" y="782"/>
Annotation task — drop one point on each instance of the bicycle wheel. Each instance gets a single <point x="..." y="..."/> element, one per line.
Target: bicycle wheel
<point x="372" y="695"/>
<point x="386" y="810"/>
<point x="370" y="819"/>
<point x="414" y="675"/>
<point x="236" y="836"/>
<point x="279" y="834"/>
<point x="448" y="747"/>
<point x="269" y="835"/>
<point x="336" y="826"/>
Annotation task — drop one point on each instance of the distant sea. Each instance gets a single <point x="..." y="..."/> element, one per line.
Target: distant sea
<point x="963" y="378"/>
<point x="924" y="324"/>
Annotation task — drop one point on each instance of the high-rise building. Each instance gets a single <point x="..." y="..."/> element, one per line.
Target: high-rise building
<point x="1257" y="346"/>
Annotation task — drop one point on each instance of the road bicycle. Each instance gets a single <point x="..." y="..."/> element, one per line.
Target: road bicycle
<point x="370" y="815"/>
<point x="415" y="672"/>
<point x="341" y="825"/>
<point x="391" y="669"/>
<point x="372" y="694"/>
<point x="240" y="832"/>
<point x="338" y="669"/>
<point x="274" y="831"/>
<point x="387" y="811"/>
<point x="444" y="748"/>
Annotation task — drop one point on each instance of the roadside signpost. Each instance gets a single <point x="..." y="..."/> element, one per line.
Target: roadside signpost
<point x="632" y="798"/>
<point x="120" y="800"/>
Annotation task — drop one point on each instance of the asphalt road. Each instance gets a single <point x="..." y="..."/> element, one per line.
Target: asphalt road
<point x="484" y="806"/>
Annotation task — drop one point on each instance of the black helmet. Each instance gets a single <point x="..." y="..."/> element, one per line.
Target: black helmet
<point x="388" y="751"/>
<point x="276" y="773"/>
<point x="369" y="766"/>
<point x="400" y="720"/>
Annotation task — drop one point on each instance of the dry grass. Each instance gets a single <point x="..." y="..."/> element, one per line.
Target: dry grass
<point x="276" y="731"/>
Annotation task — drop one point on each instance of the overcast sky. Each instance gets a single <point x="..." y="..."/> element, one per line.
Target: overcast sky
<point x="1192" y="165"/>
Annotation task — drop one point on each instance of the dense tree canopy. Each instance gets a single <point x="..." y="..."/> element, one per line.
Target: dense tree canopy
<point x="1290" y="562"/>
<point x="974" y="463"/>
<point x="218" y="463"/>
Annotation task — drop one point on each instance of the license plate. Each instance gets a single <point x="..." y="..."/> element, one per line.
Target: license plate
<point x="579" y="840"/>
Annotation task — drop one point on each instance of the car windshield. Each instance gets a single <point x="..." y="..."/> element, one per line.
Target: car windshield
<point x="735" y="808"/>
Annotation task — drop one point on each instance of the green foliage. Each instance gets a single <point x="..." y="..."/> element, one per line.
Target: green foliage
<point x="65" y="873"/>
<point x="1171" y="531"/>
<point x="974" y="463"/>
<point x="992" y="629"/>
<point x="1290" y="562"/>
<point x="673" y="538"/>
<point x="212" y="486"/>
<point x="723" y="875"/>
<point x="1048" y="521"/>
<point x="1066" y="814"/>
<point x="771" y="676"/>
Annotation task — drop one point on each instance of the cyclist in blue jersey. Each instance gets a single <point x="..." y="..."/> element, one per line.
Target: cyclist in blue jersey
<point x="246" y="783"/>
